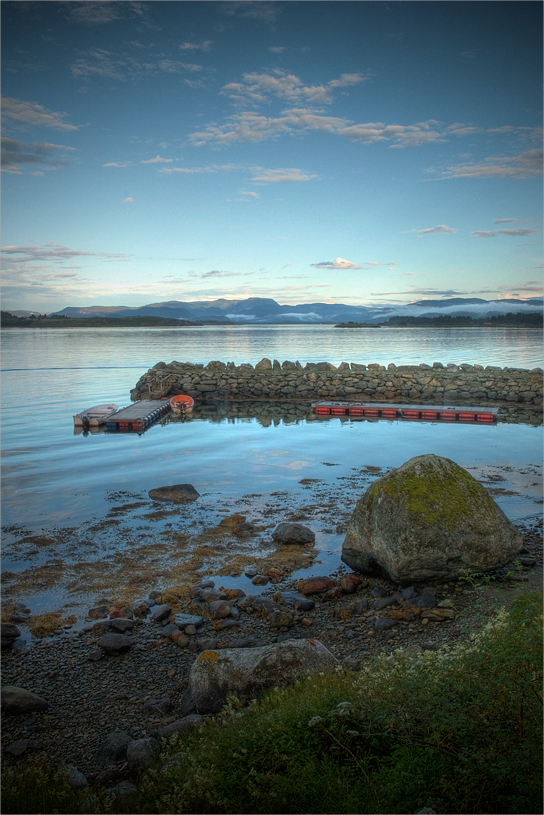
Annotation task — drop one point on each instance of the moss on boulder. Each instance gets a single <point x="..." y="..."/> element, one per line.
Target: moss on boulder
<point x="428" y="519"/>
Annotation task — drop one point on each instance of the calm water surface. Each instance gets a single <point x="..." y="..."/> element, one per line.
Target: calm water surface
<point x="52" y="477"/>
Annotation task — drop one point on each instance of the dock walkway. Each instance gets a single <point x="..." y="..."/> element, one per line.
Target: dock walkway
<point x="443" y="413"/>
<point x="138" y="415"/>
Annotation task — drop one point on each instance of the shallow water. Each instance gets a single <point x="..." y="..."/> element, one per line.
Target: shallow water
<point x="54" y="480"/>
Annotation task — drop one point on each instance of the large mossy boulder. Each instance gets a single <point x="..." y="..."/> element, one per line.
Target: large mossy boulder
<point x="428" y="519"/>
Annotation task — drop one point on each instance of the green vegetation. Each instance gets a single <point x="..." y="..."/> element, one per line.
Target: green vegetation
<point x="439" y="497"/>
<point x="509" y="320"/>
<point x="61" y="321"/>
<point x="456" y="730"/>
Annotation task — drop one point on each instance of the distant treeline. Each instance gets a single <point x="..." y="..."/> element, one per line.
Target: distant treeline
<point x="533" y="320"/>
<point x="443" y="321"/>
<point x="61" y="321"/>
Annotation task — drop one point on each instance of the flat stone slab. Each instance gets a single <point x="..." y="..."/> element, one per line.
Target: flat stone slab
<point x="188" y="619"/>
<point x="20" y="700"/>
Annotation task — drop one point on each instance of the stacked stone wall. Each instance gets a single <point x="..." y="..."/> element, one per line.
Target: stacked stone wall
<point x="425" y="384"/>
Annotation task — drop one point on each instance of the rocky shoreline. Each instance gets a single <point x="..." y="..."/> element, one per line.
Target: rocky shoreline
<point x="98" y="686"/>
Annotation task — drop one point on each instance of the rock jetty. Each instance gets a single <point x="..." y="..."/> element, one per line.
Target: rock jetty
<point x="272" y="380"/>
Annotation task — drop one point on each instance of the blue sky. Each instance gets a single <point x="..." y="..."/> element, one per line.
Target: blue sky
<point x="357" y="152"/>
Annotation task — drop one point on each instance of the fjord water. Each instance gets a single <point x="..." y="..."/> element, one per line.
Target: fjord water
<point x="51" y="476"/>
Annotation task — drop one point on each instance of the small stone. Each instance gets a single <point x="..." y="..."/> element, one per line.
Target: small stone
<point x="383" y="623"/>
<point x="75" y="778"/>
<point x="232" y="521"/>
<point x="219" y="609"/>
<point x="260" y="580"/>
<point x="98" y="612"/>
<point x="115" y="643"/>
<point x="316" y="585"/>
<point x="17" y="748"/>
<point x="350" y="583"/>
<point x="180" y="638"/>
<point x="121" y="624"/>
<point x="162" y="612"/>
<point x="188" y="619"/>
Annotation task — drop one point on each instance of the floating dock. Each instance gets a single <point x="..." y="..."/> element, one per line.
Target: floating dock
<point x="430" y="413"/>
<point x="139" y="415"/>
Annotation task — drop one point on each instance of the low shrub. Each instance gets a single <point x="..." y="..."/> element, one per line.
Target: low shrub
<point x="456" y="730"/>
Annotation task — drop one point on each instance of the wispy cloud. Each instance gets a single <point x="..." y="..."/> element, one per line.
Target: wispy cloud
<point x="205" y="45"/>
<point x="97" y="12"/>
<point x="128" y="200"/>
<point x="260" y="10"/>
<point x="441" y="228"/>
<point x="30" y="113"/>
<point x="281" y="176"/>
<point x="517" y="233"/>
<point x="51" y="252"/>
<point x="525" y="165"/>
<point x="342" y="264"/>
<point x="210" y="168"/>
<point x="157" y="160"/>
<point x="481" y="234"/>
<point x="17" y="154"/>
<point x="258" y="88"/>
<point x="98" y="62"/>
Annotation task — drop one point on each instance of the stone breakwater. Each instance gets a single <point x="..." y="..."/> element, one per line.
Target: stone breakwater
<point x="271" y="380"/>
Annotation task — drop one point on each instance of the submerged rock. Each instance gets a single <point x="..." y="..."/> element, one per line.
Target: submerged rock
<point x="428" y="519"/>
<point x="177" y="493"/>
<point x="293" y="533"/>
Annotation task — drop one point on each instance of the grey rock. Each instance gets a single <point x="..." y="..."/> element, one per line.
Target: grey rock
<point x="75" y="778"/>
<point x="8" y="634"/>
<point x="428" y="519"/>
<point x="296" y="600"/>
<point x="19" y="700"/>
<point x="179" y="726"/>
<point x="17" y="748"/>
<point x="293" y="533"/>
<point x="188" y="619"/>
<point x="426" y="600"/>
<point x="124" y="789"/>
<point x="243" y="672"/>
<point x="177" y="493"/>
<point x="114" y="746"/>
<point x="115" y="643"/>
<point x="121" y="624"/>
<point x="161" y="612"/>
<point x="219" y="609"/>
<point x="159" y="705"/>
<point x="384" y="623"/>
<point x="142" y="754"/>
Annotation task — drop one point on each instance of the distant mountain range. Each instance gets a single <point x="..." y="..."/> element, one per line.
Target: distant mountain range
<point x="266" y="310"/>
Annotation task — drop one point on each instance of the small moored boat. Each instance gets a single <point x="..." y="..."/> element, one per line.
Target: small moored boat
<point x="95" y="416"/>
<point x="182" y="403"/>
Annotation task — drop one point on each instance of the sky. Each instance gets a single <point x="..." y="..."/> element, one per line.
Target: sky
<point x="359" y="152"/>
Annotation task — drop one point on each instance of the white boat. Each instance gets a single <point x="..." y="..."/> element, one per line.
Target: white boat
<point x="95" y="416"/>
